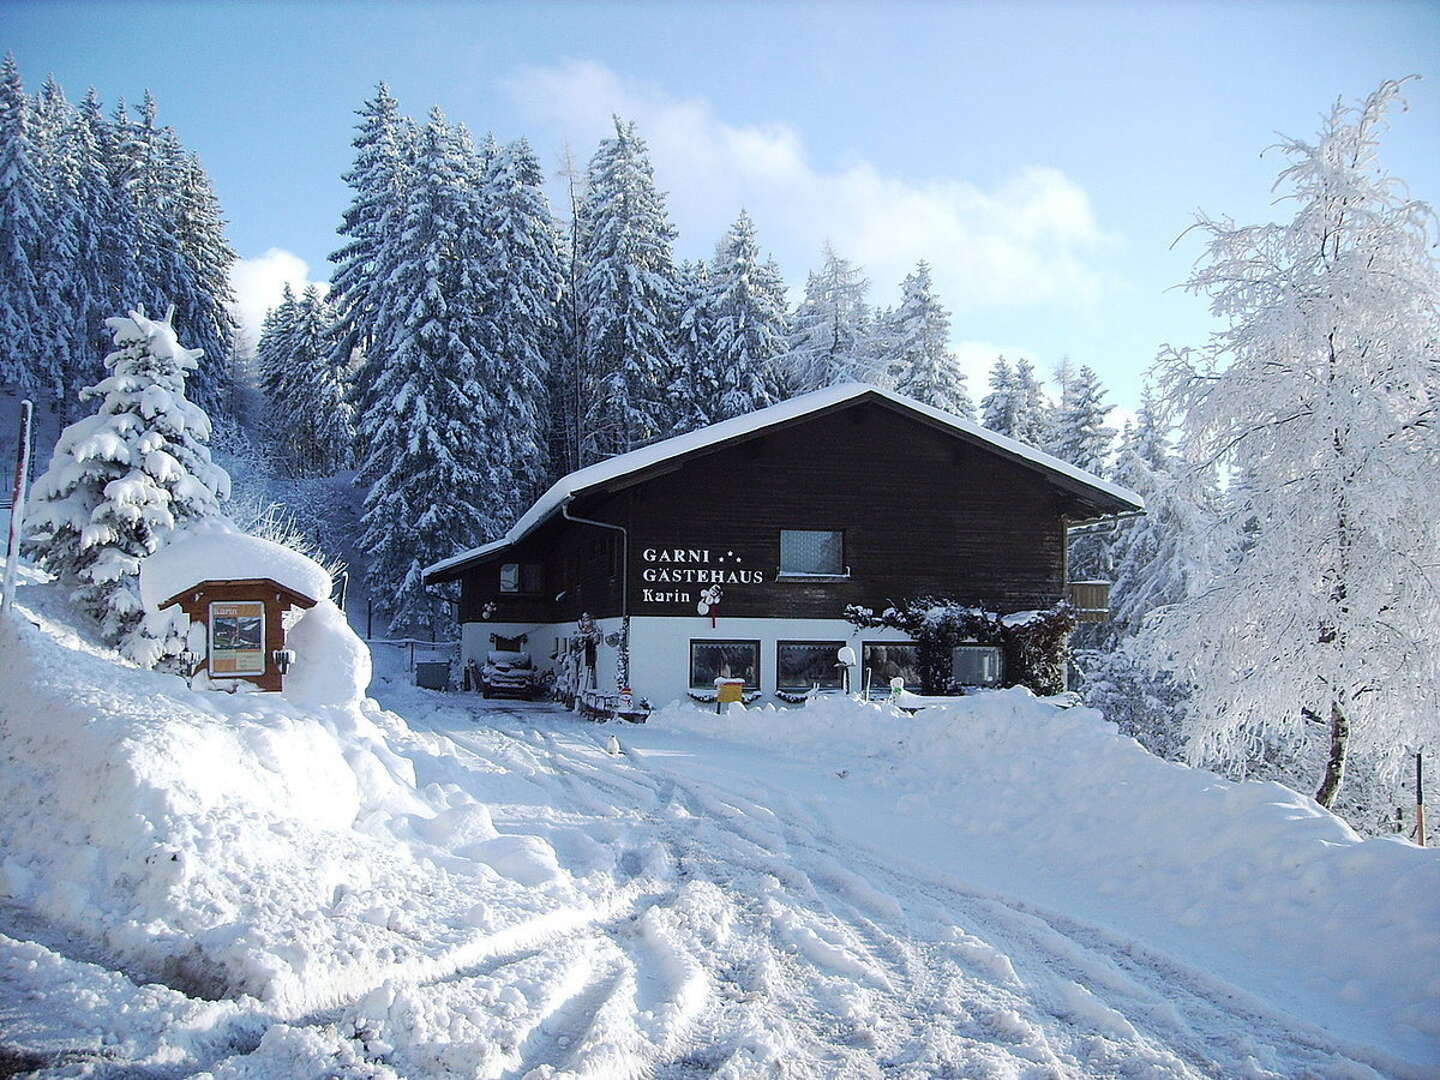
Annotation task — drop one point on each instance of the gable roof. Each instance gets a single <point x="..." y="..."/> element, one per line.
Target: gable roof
<point x="624" y="469"/>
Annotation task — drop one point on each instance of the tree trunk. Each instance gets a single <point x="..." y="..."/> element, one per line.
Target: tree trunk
<point x="1339" y="747"/>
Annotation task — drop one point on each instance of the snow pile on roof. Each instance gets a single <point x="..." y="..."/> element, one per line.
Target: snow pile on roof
<point x="228" y="844"/>
<point x="624" y="464"/>
<point x="218" y="554"/>
<point x="1254" y="882"/>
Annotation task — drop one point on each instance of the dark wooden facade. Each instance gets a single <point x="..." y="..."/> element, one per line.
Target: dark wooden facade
<point x="923" y="510"/>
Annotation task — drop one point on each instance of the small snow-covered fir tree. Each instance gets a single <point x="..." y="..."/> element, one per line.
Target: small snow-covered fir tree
<point x="1320" y="393"/>
<point x="629" y="298"/>
<point x="121" y="481"/>
<point x="997" y="408"/>
<point x="747" y="306"/>
<point x="918" y="336"/>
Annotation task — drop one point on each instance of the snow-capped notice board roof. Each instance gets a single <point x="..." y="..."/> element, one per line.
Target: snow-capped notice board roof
<point x="1112" y="497"/>
<point x="227" y="556"/>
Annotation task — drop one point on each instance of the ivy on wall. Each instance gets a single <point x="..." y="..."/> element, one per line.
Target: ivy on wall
<point x="1036" y="644"/>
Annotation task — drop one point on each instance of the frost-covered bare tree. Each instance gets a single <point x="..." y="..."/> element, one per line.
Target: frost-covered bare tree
<point x="1318" y="398"/>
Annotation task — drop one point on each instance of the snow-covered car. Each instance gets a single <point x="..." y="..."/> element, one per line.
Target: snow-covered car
<point x="508" y="674"/>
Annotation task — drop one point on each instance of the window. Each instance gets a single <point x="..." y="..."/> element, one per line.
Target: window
<point x="812" y="552"/>
<point x="799" y="665"/>
<point x="711" y="660"/>
<point x="521" y="577"/>
<point x="977" y="665"/>
<point x="237" y="639"/>
<point x="885" y="660"/>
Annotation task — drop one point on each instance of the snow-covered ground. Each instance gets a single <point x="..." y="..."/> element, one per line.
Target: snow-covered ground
<point x="247" y="886"/>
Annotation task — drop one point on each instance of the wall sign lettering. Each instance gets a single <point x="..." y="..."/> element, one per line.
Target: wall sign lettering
<point x="698" y="567"/>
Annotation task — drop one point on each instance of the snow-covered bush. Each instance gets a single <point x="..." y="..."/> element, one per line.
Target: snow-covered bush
<point x="121" y="481"/>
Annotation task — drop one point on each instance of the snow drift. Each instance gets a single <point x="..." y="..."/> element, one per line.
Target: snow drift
<point x="229" y="844"/>
<point x="1250" y="880"/>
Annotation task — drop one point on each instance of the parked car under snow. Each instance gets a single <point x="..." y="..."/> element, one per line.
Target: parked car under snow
<point x="508" y="674"/>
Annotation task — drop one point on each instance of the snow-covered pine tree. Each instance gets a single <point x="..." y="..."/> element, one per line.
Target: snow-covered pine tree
<point x="1080" y="434"/>
<point x="564" y="389"/>
<point x="1320" y="390"/>
<point x="1154" y="559"/>
<point x="1030" y="409"/>
<point x="830" y="332"/>
<point x="747" y="306"/>
<point x="311" y="420"/>
<point x="694" y="389"/>
<point x="28" y="358"/>
<point x="378" y="180"/>
<point x="202" y="293"/>
<point x="425" y="428"/>
<point x="997" y="408"/>
<point x="519" y="260"/>
<point x="919" y="339"/>
<point x="121" y="481"/>
<point x="628" y="294"/>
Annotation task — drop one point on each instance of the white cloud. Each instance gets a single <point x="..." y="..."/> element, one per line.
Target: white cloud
<point x="259" y="283"/>
<point x="1024" y="243"/>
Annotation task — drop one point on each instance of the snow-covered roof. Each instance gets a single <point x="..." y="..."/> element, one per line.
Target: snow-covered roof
<point x="227" y="556"/>
<point x="622" y="465"/>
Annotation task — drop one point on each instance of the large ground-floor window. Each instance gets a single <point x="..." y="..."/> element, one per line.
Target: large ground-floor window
<point x="800" y="665"/>
<point x="711" y="660"/>
<point x="886" y="660"/>
<point x="978" y="665"/>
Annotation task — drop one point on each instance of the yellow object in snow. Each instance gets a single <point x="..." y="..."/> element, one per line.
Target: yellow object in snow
<point x="726" y="692"/>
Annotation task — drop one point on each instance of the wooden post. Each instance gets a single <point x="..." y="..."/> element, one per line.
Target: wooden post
<point x="17" y="506"/>
<point x="1419" y="799"/>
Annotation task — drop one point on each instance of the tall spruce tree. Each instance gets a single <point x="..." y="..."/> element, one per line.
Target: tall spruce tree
<point x="694" y="390"/>
<point x="27" y="355"/>
<point x="523" y="282"/>
<point x="121" y="481"/>
<point x="1080" y="435"/>
<point x="425" y="427"/>
<point x="918" y="338"/>
<point x="747" y="307"/>
<point x="311" y="419"/>
<point x="629" y="298"/>
<point x="378" y="180"/>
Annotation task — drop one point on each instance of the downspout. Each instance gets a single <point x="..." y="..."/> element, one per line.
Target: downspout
<point x="624" y="672"/>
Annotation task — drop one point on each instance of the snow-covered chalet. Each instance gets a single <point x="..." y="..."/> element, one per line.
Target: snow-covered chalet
<point x="734" y="550"/>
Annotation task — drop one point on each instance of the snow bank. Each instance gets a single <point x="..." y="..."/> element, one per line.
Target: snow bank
<point x="332" y="665"/>
<point x="1003" y="791"/>
<point x="231" y="844"/>
<point x="217" y="554"/>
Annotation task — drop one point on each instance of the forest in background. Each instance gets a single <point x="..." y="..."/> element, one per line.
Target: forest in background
<point x="472" y="342"/>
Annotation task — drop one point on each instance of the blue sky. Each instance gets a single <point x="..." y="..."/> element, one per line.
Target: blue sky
<point x="1042" y="157"/>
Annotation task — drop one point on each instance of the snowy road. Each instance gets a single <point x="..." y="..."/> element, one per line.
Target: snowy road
<point x="745" y="932"/>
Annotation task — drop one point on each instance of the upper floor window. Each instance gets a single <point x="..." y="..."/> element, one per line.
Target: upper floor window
<point x="521" y="577"/>
<point x="812" y="551"/>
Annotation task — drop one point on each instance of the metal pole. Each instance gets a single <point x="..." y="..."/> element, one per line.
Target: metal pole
<point x="17" y="506"/>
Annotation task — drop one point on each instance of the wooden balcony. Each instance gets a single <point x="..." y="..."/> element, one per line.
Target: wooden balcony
<point x="1091" y="600"/>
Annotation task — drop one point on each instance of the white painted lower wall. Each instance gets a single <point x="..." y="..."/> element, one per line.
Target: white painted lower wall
<point x="660" y="647"/>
